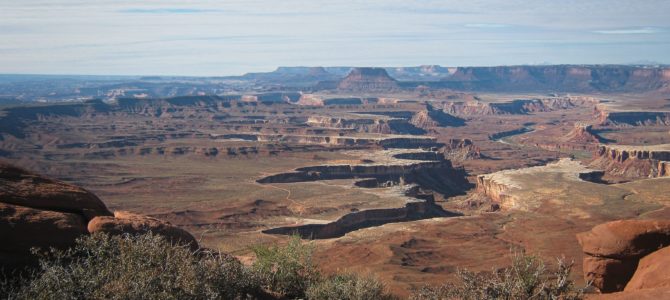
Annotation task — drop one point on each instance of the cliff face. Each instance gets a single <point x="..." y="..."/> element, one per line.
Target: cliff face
<point x="633" y="161"/>
<point x="582" y="133"/>
<point x="566" y="78"/>
<point x="517" y="107"/>
<point x="435" y="118"/>
<point x="43" y="213"/>
<point x="496" y="191"/>
<point x="508" y="189"/>
<point x="633" y="118"/>
<point x="420" y="209"/>
<point x="460" y="150"/>
<point x="437" y="175"/>
<point x="368" y="79"/>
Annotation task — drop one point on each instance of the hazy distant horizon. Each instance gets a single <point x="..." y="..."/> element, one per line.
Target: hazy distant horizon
<point x="215" y="38"/>
<point x="646" y="64"/>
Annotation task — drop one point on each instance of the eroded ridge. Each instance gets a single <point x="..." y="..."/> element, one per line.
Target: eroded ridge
<point x="633" y="162"/>
<point x="417" y="173"/>
<point x="503" y="187"/>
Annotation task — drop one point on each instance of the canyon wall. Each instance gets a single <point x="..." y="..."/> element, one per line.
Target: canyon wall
<point x="517" y="107"/>
<point x="633" y="118"/>
<point x="564" y="78"/>
<point x="632" y="162"/>
<point x="368" y="79"/>
<point x="367" y="125"/>
<point x="416" y="210"/>
<point x="432" y="117"/>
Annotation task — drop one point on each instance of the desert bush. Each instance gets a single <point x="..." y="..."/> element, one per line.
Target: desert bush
<point x="100" y="266"/>
<point x="527" y="278"/>
<point x="348" y="287"/>
<point x="135" y="267"/>
<point x="287" y="270"/>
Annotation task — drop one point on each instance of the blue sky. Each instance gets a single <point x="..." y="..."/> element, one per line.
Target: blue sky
<point x="169" y="37"/>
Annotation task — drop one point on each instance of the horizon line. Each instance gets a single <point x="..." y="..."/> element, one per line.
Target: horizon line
<point x="336" y="66"/>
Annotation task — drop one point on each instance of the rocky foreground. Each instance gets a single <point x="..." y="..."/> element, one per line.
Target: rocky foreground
<point x="38" y="212"/>
<point x="627" y="258"/>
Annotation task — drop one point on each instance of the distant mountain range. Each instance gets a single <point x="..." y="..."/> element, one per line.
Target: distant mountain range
<point x="524" y="78"/>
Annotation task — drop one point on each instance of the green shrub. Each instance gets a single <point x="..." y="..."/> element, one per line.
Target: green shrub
<point x="135" y="267"/>
<point x="287" y="270"/>
<point x="527" y="278"/>
<point x="148" y="267"/>
<point x="348" y="287"/>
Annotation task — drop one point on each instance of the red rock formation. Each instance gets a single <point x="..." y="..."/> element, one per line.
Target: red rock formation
<point x="23" y="228"/>
<point x="20" y="187"/>
<point x="568" y="78"/>
<point x="460" y="150"/>
<point x="652" y="271"/>
<point x="368" y="79"/>
<point x="431" y="117"/>
<point x="521" y="106"/>
<point x="582" y="133"/>
<point x="40" y="212"/>
<point x="127" y="222"/>
<point x="612" y="250"/>
<point x="632" y="118"/>
<point x="632" y="161"/>
<point x="646" y="294"/>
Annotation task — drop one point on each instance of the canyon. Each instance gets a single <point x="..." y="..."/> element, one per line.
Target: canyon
<point x="410" y="173"/>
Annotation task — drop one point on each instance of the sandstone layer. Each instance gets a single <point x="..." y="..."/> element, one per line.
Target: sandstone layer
<point x="368" y="79"/>
<point x="633" y="162"/>
<point x="39" y="212"/>
<point x="613" y="250"/>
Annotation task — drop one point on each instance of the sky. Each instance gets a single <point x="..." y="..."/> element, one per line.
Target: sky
<point x="220" y="37"/>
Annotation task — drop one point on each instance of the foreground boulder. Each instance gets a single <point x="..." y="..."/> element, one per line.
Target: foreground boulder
<point x="39" y="212"/>
<point x="20" y="187"/>
<point x="613" y="250"/>
<point x="653" y="271"/>
<point x="127" y="222"/>
<point x="646" y="294"/>
<point x="23" y="228"/>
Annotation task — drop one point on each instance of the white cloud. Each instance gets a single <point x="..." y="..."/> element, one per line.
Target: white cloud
<point x="645" y="30"/>
<point x="486" y="25"/>
<point x="214" y="37"/>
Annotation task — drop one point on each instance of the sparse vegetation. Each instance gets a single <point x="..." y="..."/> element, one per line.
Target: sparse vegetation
<point x="135" y="267"/>
<point x="287" y="270"/>
<point x="348" y="287"/>
<point x="527" y="278"/>
<point x="148" y="267"/>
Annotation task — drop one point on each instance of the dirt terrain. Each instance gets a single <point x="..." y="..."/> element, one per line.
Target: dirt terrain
<point x="409" y="184"/>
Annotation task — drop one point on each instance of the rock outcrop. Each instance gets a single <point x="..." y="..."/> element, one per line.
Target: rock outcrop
<point x="652" y="271"/>
<point x="633" y="118"/>
<point x="368" y="125"/>
<point x="517" y="107"/>
<point x="131" y="223"/>
<point x="583" y="134"/>
<point x="22" y="188"/>
<point x="613" y="250"/>
<point x="23" y="228"/>
<point x="460" y="150"/>
<point x="506" y="190"/>
<point x="432" y="117"/>
<point x="633" y="162"/>
<point x="566" y="78"/>
<point x="39" y="212"/>
<point x="368" y="80"/>
<point x="421" y="209"/>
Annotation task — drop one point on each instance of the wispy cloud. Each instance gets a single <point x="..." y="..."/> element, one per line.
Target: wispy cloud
<point x="486" y="25"/>
<point x="644" y="30"/>
<point x="167" y="11"/>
